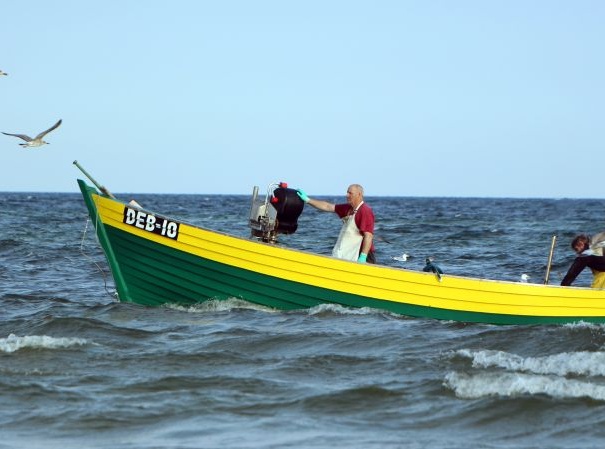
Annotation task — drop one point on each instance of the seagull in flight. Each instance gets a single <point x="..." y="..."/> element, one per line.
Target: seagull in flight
<point x="36" y="141"/>
<point x="3" y="73"/>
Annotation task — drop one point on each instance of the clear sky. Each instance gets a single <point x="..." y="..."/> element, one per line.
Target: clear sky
<point x="488" y="98"/>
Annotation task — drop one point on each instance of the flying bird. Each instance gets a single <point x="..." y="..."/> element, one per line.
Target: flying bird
<point x="36" y="141"/>
<point x="3" y="73"/>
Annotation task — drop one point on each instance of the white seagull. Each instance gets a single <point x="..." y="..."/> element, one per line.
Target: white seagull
<point x="3" y="73"/>
<point x="36" y="141"/>
<point x="402" y="258"/>
<point x="524" y="278"/>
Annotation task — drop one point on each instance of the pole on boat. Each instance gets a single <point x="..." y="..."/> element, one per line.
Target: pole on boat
<point x="552" y="250"/>
<point x="103" y="189"/>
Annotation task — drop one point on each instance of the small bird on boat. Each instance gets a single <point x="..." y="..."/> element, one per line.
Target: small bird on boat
<point x="36" y="141"/>
<point x="3" y="73"/>
<point x="524" y="278"/>
<point x="402" y="258"/>
<point x="432" y="267"/>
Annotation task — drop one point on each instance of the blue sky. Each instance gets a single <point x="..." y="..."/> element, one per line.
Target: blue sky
<point x="408" y="98"/>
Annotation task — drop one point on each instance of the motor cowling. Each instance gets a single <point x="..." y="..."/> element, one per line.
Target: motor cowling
<point x="277" y="213"/>
<point x="289" y="206"/>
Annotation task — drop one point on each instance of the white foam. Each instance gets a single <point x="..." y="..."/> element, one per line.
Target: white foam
<point x="227" y="305"/>
<point x="578" y="363"/>
<point x="342" y="310"/>
<point x="585" y="325"/>
<point x="14" y="343"/>
<point x="517" y="384"/>
<point x="213" y="305"/>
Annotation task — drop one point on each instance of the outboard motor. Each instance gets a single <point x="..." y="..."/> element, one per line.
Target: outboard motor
<point x="277" y="213"/>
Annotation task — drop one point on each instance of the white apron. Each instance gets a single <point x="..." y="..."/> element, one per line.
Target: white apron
<point x="597" y="244"/>
<point x="349" y="240"/>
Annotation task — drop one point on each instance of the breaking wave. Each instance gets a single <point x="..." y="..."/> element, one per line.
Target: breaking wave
<point x="337" y="309"/>
<point x="581" y="363"/>
<point x="15" y="343"/>
<point x="214" y="305"/>
<point x="480" y="385"/>
<point x="511" y="375"/>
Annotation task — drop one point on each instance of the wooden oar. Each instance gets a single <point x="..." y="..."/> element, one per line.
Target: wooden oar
<point x="97" y="185"/>
<point x="552" y="250"/>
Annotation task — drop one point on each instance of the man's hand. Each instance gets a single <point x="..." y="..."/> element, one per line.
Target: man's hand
<point x="302" y="195"/>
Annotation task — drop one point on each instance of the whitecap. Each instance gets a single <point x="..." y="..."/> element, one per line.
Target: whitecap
<point x="226" y="305"/>
<point x="584" y="325"/>
<point x="582" y="363"/>
<point x="481" y="385"/>
<point x="14" y="343"/>
<point x="342" y="310"/>
<point x="215" y="305"/>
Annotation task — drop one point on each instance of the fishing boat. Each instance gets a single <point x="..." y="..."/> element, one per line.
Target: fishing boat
<point x="155" y="259"/>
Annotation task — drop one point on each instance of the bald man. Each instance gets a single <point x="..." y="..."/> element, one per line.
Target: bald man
<point x="356" y="239"/>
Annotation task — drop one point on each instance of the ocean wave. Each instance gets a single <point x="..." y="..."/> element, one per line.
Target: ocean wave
<point x="585" y="325"/>
<point x="213" y="305"/>
<point x="337" y="309"/>
<point x="481" y="385"/>
<point x="230" y="304"/>
<point x="6" y="244"/>
<point x="582" y="363"/>
<point x="14" y="343"/>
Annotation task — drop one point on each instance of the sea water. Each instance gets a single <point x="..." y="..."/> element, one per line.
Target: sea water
<point x="80" y="370"/>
